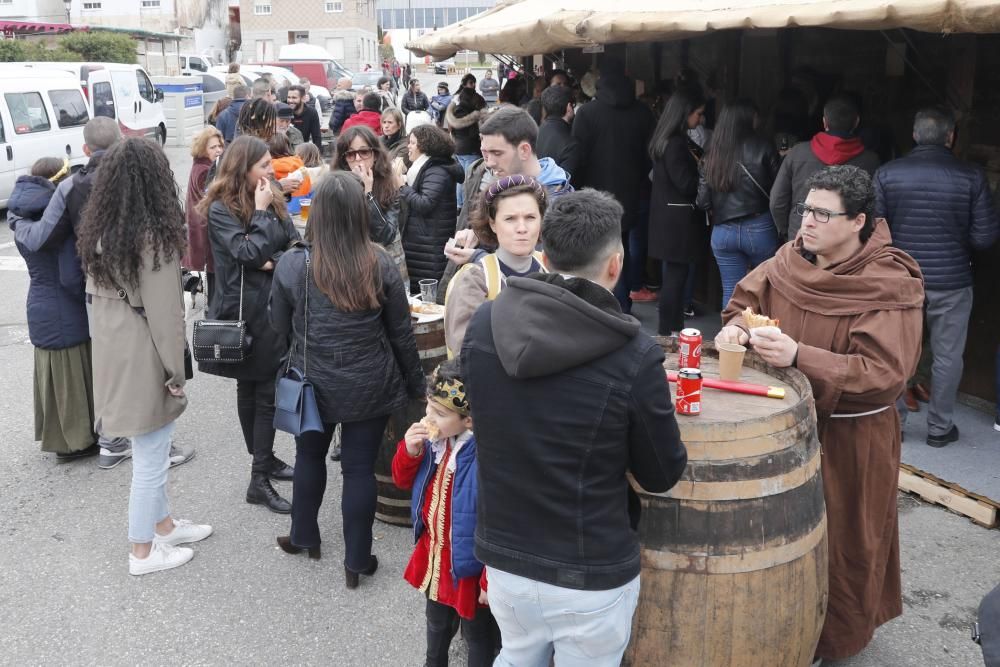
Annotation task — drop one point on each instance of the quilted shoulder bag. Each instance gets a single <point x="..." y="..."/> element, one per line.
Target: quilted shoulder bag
<point x="295" y="408"/>
<point x="222" y="341"/>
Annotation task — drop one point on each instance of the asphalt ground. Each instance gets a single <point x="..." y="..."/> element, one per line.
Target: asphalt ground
<point x="66" y="597"/>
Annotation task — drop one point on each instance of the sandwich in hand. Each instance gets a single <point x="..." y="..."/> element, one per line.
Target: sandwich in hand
<point x="433" y="432"/>
<point x="754" y="321"/>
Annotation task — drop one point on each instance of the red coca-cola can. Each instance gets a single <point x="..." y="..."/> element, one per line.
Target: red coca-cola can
<point x="689" y="391"/>
<point x="689" y="349"/>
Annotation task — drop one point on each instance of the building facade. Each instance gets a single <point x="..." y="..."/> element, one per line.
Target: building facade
<point x="345" y="28"/>
<point x="426" y="15"/>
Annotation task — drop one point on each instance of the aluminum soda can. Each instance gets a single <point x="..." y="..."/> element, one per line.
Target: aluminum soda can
<point x="689" y="391"/>
<point x="689" y="349"/>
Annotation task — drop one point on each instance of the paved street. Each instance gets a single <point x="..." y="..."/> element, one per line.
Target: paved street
<point x="66" y="596"/>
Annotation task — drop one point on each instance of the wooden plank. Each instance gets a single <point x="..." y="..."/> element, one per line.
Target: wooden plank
<point x="951" y="485"/>
<point x="985" y="515"/>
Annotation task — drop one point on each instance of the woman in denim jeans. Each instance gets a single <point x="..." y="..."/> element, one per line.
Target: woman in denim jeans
<point x="737" y="175"/>
<point x="131" y="240"/>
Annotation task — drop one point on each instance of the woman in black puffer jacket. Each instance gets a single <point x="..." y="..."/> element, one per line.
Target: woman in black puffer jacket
<point x="428" y="191"/>
<point x="362" y="360"/>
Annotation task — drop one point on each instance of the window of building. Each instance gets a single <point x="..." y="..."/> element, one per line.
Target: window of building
<point x="452" y="15"/>
<point x="335" y="45"/>
<point x="335" y="6"/>
<point x="27" y="112"/>
<point x="150" y="4"/>
<point x="6" y="2"/>
<point x="104" y="101"/>
<point x="70" y="108"/>
<point x="265" y="50"/>
<point x="262" y="9"/>
<point x="92" y="5"/>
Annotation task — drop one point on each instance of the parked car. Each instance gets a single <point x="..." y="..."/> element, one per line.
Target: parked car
<point x="224" y="71"/>
<point x="362" y="80"/>
<point x="192" y="64"/>
<point x="442" y="66"/>
<point x="119" y="91"/>
<point x="42" y="114"/>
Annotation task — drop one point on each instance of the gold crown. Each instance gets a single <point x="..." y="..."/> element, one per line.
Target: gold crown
<point x="451" y="394"/>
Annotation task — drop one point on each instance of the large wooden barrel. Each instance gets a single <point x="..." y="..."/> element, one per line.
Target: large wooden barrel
<point x="734" y="557"/>
<point x="393" y="504"/>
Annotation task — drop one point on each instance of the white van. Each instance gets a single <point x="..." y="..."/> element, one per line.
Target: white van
<point x="192" y="64"/>
<point x="119" y="91"/>
<point x="42" y="114"/>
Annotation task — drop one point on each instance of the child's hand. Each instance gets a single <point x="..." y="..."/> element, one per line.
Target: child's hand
<point x="483" y="598"/>
<point x="414" y="438"/>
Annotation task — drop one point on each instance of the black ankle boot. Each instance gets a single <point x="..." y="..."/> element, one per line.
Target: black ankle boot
<point x="260" y="492"/>
<point x="351" y="578"/>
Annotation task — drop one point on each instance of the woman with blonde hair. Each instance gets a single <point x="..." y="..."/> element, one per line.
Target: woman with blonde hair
<point x="249" y="229"/>
<point x="205" y="149"/>
<point x="233" y="79"/>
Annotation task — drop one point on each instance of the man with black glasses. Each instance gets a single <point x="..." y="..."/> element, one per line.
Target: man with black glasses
<point x="849" y="305"/>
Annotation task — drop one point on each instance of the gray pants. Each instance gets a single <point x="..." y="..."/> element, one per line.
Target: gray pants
<point x="948" y="321"/>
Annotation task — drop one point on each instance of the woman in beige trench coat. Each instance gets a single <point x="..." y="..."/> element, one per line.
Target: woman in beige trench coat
<point x="131" y="240"/>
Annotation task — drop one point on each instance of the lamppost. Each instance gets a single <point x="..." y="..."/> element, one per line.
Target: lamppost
<point x="68" y="4"/>
<point x="409" y="8"/>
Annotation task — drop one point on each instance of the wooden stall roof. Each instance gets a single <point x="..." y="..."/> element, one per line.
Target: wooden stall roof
<point x="527" y="27"/>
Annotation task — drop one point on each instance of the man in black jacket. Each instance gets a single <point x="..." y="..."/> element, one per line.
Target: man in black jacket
<point x="568" y="394"/>
<point x="555" y="134"/>
<point x="612" y="134"/>
<point x="304" y="117"/>
<point x="939" y="210"/>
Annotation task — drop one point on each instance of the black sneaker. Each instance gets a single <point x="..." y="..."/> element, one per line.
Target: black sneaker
<point x="996" y="423"/>
<point x="335" y="452"/>
<point x="689" y="310"/>
<point x="93" y="450"/>
<point x="945" y="439"/>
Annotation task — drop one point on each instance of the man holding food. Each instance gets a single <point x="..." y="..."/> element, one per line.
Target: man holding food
<point x="847" y="310"/>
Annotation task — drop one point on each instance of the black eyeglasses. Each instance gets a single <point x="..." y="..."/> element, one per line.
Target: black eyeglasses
<point x="820" y="215"/>
<point x="360" y="154"/>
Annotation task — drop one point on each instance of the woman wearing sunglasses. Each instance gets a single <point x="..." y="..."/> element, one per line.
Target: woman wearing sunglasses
<point x="360" y="152"/>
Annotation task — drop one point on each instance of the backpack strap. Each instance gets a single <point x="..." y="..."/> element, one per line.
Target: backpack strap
<point x="494" y="276"/>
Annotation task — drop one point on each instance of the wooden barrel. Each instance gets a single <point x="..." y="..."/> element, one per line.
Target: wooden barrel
<point x="393" y="504"/>
<point x="734" y="557"/>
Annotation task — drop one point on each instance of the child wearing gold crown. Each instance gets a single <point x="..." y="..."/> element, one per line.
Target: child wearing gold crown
<point x="437" y="459"/>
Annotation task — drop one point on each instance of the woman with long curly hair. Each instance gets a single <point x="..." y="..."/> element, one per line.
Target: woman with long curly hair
<point x="362" y="355"/>
<point x="249" y="229"/>
<point x="258" y="118"/>
<point x="360" y="151"/>
<point x="429" y="190"/>
<point x="131" y="239"/>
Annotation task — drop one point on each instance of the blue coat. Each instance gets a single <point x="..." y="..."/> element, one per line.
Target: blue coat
<point x="57" y="314"/>
<point x="939" y="210"/>
<point x="463" y="508"/>
<point x="226" y="122"/>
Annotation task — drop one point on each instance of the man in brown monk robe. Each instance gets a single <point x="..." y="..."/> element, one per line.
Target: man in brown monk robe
<point x="850" y="308"/>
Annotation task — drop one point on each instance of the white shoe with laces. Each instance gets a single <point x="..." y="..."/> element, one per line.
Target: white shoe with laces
<point x="161" y="557"/>
<point x="184" y="532"/>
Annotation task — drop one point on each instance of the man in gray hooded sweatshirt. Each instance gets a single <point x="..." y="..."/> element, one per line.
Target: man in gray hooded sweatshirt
<point x="567" y="394"/>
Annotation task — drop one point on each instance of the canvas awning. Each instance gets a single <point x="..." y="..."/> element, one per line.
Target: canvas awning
<point x="527" y="27"/>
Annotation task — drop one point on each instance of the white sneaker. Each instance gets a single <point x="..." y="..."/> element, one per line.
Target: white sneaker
<point x="184" y="532"/>
<point x="161" y="557"/>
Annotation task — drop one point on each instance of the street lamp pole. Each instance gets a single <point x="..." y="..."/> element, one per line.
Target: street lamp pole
<point x="68" y="4"/>
<point x="409" y="23"/>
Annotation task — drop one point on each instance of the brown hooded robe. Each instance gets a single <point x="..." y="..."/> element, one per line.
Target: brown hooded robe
<point x="858" y="325"/>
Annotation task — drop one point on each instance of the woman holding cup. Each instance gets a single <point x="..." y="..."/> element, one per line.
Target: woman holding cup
<point x="510" y="218"/>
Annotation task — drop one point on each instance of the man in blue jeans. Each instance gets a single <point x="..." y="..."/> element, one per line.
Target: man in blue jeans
<point x="568" y="395"/>
<point x="939" y="210"/>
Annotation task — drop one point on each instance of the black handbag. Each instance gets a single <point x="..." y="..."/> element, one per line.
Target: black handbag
<point x="222" y="341"/>
<point x="295" y="407"/>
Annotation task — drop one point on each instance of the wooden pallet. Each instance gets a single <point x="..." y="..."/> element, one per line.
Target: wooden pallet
<point x="982" y="511"/>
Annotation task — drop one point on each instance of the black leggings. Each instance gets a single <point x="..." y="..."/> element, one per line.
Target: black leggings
<point x="359" y="445"/>
<point x="480" y="635"/>
<point x="255" y="407"/>
<point x="672" y="297"/>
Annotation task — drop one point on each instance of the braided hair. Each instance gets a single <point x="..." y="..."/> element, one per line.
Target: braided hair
<point x="258" y="118"/>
